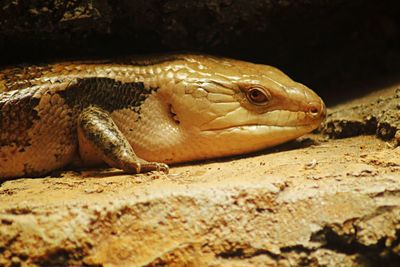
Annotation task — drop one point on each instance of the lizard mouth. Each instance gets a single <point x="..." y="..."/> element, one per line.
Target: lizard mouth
<point x="280" y="119"/>
<point x="262" y="127"/>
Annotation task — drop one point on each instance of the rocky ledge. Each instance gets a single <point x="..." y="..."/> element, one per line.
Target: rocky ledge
<point x="311" y="202"/>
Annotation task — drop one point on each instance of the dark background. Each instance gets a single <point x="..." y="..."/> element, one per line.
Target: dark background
<point x="329" y="45"/>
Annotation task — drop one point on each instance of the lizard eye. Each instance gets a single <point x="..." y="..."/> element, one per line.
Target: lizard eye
<point x="257" y="96"/>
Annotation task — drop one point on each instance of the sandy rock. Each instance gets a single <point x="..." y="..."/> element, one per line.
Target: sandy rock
<point x="264" y="209"/>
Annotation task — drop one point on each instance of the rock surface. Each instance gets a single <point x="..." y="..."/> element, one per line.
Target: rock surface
<point x="377" y="113"/>
<point x="312" y="202"/>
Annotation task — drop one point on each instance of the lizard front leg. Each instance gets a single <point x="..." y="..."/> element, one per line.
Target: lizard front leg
<point x="99" y="135"/>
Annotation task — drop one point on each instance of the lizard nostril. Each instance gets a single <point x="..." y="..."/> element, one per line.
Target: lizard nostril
<point x="314" y="111"/>
<point x="317" y="110"/>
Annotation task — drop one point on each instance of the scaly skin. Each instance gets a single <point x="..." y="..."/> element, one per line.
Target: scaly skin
<point x="140" y="113"/>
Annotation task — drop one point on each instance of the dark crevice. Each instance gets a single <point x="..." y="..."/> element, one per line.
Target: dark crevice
<point x="236" y="253"/>
<point x="241" y="253"/>
<point x="342" y="128"/>
<point x="377" y="255"/>
<point x="65" y="257"/>
<point x="297" y="249"/>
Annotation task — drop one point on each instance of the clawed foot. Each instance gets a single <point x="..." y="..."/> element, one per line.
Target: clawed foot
<point x="144" y="166"/>
<point x="154" y="166"/>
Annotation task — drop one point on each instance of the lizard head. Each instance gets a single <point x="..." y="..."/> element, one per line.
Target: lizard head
<point x="240" y="106"/>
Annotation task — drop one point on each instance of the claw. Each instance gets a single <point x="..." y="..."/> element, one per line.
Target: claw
<point x="163" y="168"/>
<point x="138" y="167"/>
<point x="152" y="166"/>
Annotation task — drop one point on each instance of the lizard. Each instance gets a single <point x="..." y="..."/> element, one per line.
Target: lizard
<point x="139" y="114"/>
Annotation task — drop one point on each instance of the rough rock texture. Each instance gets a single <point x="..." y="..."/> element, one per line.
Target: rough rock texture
<point x="378" y="113"/>
<point x="313" y="202"/>
<point x="321" y="43"/>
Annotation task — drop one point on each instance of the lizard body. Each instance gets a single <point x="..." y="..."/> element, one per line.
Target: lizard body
<point x="139" y="114"/>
